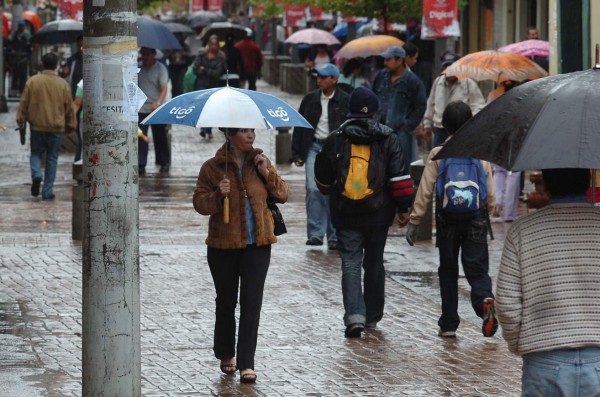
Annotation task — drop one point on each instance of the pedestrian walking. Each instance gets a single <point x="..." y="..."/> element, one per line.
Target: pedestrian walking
<point x="446" y="89"/>
<point x="46" y="104"/>
<point x="19" y="43"/>
<point x="239" y="240"/>
<point x="179" y="60"/>
<point x="252" y="59"/>
<point x="547" y="290"/>
<point x="402" y="96"/>
<point x="363" y="153"/>
<point x="209" y="65"/>
<point x="72" y="70"/>
<point x="325" y="109"/>
<point x="153" y="78"/>
<point x="462" y="225"/>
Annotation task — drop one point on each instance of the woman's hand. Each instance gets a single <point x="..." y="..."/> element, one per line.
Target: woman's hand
<point x="224" y="187"/>
<point x="260" y="161"/>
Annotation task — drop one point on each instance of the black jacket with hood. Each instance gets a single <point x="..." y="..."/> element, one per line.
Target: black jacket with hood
<point x="385" y="148"/>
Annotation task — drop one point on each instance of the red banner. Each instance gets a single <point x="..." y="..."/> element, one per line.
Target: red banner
<point x="71" y="9"/>
<point x="440" y="19"/>
<point x="196" y="5"/>
<point x="294" y="14"/>
<point x="215" y="6"/>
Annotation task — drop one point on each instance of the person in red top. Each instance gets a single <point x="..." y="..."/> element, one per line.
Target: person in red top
<point x="252" y="58"/>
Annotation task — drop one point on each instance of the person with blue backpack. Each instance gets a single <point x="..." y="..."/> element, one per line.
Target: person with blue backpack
<point x="464" y="193"/>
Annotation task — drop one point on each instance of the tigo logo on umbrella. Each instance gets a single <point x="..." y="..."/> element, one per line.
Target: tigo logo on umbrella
<point x="180" y="112"/>
<point x="279" y="112"/>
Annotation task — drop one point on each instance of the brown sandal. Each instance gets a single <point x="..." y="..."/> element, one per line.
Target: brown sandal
<point x="248" y="377"/>
<point x="228" y="368"/>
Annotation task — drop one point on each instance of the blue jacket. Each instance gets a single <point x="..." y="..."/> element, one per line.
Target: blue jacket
<point x="403" y="102"/>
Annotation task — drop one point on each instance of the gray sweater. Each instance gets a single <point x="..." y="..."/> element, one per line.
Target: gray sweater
<point x="548" y="291"/>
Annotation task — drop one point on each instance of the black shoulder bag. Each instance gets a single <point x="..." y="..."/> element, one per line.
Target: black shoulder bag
<point x="279" y="227"/>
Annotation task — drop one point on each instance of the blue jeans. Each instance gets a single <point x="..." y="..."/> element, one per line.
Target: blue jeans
<point x="439" y="136"/>
<point x="49" y="143"/>
<point x="364" y="248"/>
<point x="318" y="215"/>
<point x="564" y="372"/>
<point x="469" y="239"/>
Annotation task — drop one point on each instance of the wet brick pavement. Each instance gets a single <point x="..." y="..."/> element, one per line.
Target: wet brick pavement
<point x="301" y="348"/>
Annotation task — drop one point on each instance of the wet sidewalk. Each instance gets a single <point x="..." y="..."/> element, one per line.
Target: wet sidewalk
<point x="301" y="348"/>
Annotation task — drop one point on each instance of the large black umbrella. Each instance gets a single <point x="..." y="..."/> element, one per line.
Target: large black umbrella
<point x="62" y="31"/>
<point x="553" y="122"/>
<point x="152" y="33"/>
<point x="176" y="27"/>
<point x="200" y="19"/>
<point x="222" y="30"/>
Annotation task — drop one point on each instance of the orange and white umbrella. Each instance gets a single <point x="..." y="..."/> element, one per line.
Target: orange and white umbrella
<point x="367" y="46"/>
<point x="494" y="65"/>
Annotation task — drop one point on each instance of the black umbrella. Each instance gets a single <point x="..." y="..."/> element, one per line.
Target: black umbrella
<point x="59" y="32"/>
<point x="176" y="27"/>
<point x="152" y="33"/>
<point x="222" y="30"/>
<point x="200" y="19"/>
<point x="553" y="122"/>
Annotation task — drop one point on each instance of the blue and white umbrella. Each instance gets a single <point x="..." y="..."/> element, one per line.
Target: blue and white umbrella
<point x="227" y="107"/>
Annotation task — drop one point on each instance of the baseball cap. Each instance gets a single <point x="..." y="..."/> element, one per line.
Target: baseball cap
<point x="363" y="103"/>
<point x="21" y="21"/>
<point x="328" y="70"/>
<point x="394" y="51"/>
<point x="448" y="58"/>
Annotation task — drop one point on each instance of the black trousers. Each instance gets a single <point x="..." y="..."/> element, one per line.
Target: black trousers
<point x="161" y="143"/>
<point x="245" y="269"/>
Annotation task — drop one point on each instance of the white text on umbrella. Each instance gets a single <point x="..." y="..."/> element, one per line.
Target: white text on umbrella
<point x="182" y="112"/>
<point x="280" y="112"/>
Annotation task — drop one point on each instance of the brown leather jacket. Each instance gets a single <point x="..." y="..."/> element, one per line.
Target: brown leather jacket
<point x="208" y="200"/>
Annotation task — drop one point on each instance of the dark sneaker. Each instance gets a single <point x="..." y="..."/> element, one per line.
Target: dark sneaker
<point x="314" y="241"/>
<point x="332" y="245"/>
<point x="47" y="198"/>
<point x="203" y="134"/>
<point x="447" y="334"/>
<point x="354" y="330"/>
<point x="490" y="321"/>
<point x="35" y="187"/>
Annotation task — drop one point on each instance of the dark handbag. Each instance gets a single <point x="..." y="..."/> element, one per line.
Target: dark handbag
<point x="279" y="228"/>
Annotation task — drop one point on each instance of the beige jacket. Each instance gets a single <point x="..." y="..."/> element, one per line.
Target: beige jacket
<point x="426" y="189"/>
<point x="47" y="105"/>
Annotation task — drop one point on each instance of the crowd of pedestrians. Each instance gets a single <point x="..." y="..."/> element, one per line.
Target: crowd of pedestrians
<point x="357" y="158"/>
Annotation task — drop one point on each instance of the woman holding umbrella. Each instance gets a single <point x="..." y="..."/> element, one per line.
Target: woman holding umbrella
<point x="232" y="189"/>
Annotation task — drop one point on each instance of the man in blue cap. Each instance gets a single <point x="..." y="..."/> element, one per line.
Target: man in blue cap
<point x="402" y="96"/>
<point x="325" y="109"/>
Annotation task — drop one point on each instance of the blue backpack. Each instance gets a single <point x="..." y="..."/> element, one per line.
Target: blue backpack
<point x="461" y="188"/>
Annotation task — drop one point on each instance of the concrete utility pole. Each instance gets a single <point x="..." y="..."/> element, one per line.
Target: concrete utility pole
<point x="111" y="295"/>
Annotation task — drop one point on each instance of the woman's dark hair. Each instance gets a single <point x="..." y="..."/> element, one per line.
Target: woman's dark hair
<point x="229" y="131"/>
<point x="351" y="64"/>
<point x="410" y="49"/>
<point x="50" y="61"/>
<point x="455" y="115"/>
<point x="566" y="181"/>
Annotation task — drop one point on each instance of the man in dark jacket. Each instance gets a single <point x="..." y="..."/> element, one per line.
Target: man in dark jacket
<point x="307" y="142"/>
<point x="362" y="231"/>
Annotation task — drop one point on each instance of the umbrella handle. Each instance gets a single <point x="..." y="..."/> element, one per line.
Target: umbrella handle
<point x="226" y="210"/>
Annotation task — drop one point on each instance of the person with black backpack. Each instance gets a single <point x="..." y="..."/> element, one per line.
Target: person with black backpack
<point x="361" y="167"/>
<point x="464" y="193"/>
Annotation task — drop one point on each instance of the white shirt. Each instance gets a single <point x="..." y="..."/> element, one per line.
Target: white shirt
<point x="322" y="130"/>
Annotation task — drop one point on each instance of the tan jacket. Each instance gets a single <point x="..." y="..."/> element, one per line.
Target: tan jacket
<point x="426" y="189"/>
<point x="46" y="103"/>
<point x="208" y="200"/>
